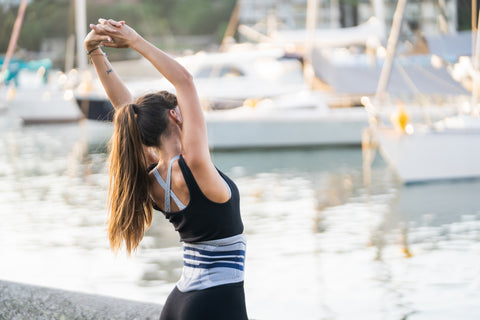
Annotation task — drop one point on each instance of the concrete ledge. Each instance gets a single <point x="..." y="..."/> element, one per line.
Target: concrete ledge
<point x="22" y="301"/>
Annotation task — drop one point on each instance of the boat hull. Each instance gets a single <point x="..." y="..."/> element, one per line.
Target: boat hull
<point x="40" y="105"/>
<point x="286" y="130"/>
<point x="431" y="155"/>
<point x="96" y="109"/>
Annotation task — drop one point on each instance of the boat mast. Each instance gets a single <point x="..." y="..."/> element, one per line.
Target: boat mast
<point x="334" y="14"/>
<point x="311" y="26"/>
<point x="442" y="17"/>
<point x="311" y="22"/>
<point x="475" y="59"/>
<point x="232" y="26"/>
<point x="474" y="15"/>
<point x="81" y="31"/>
<point x="379" y="9"/>
<point x="15" y="33"/>
<point x="391" y="48"/>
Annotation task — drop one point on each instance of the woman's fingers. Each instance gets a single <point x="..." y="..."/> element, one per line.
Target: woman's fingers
<point x="110" y="44"/>
<point x="117" y="24"/>
<point x="105" y="39"/>
<point x="97" y="28"/>
<point x="97" y="34"/>
<point x="111" y="22"/>
<point x="106" y="25"/>
<point x="106" y="28"/>
<point x="102" y="29"/>
<point x="120" y="34"/>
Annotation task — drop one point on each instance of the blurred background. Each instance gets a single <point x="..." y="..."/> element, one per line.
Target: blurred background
<point x="350" y="127"/>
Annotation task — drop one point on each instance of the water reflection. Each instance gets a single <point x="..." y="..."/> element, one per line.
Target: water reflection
<point x="322" y="245"/>
<point x="436" y="204"/>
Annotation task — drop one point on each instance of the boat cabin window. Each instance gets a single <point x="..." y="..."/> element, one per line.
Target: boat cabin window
<point x="230" y="71"/>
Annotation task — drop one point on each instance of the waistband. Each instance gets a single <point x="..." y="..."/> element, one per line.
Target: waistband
<point x="211" y="263"/>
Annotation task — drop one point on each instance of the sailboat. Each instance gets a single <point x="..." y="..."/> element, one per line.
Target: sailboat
<point x="443" y="150"/>
<point x="33" y="98"/>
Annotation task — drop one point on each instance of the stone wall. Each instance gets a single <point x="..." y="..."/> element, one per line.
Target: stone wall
<point x="22" y="301"/>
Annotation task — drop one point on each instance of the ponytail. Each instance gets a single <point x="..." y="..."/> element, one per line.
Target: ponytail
<point x="130" y="211"/>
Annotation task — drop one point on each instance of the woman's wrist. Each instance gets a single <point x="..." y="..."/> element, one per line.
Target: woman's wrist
<point x="100" y="53"/>
<point x="89" y="47"/>
<point x="136" y="42"/>
<point x="92" y="50"/>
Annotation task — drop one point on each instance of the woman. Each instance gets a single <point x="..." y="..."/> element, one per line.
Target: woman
<point x="200" y="201"/>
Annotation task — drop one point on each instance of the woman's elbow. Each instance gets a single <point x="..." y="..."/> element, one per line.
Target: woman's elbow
<point x="182" y="78"/>
<point x="186" y="77"/>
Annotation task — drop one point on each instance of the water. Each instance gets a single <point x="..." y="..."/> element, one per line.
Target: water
<point x="322" y="244"/>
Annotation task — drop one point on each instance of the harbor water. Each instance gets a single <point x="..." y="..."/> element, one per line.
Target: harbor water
<point x="323" y="243"/>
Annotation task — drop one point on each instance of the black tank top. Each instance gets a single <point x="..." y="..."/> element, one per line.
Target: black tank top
<point x="203" y="219"/>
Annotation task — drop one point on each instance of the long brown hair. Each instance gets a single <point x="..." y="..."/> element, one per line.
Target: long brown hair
<point x="130" y="209"/>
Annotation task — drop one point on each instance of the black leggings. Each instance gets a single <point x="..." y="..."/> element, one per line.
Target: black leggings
<point x="225" y="302"/>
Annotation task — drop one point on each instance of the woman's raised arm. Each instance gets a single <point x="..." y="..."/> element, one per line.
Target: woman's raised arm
<point x="116" y="90"/>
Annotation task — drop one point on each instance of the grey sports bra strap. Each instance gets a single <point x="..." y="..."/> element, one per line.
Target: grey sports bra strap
<point x="168" y="190"/>
<point x="166" y="186"/>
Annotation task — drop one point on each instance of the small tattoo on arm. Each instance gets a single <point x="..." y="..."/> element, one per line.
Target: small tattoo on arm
<point x="108" y="69"/>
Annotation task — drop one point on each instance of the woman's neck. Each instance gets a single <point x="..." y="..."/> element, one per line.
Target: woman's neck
<point x="170" y="148"/>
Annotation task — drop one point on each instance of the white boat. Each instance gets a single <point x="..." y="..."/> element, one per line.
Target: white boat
<point x="447" y="150"/>
<point x="245" y="73"/>
<point x="297" y="120"/>
<point x="35" y="102"/>
<point x="223" y="80"/>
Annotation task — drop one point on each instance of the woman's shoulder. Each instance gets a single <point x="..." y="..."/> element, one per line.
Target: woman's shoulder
<point x="208" y="181"/>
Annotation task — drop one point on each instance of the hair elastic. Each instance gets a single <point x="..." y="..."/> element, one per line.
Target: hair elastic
<point x="88" y="53"/>
<point x="99" y="54"/>
<point x="134" y="108"/>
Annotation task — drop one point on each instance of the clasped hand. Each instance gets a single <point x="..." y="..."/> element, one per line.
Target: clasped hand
<point x="110" y="33"/>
